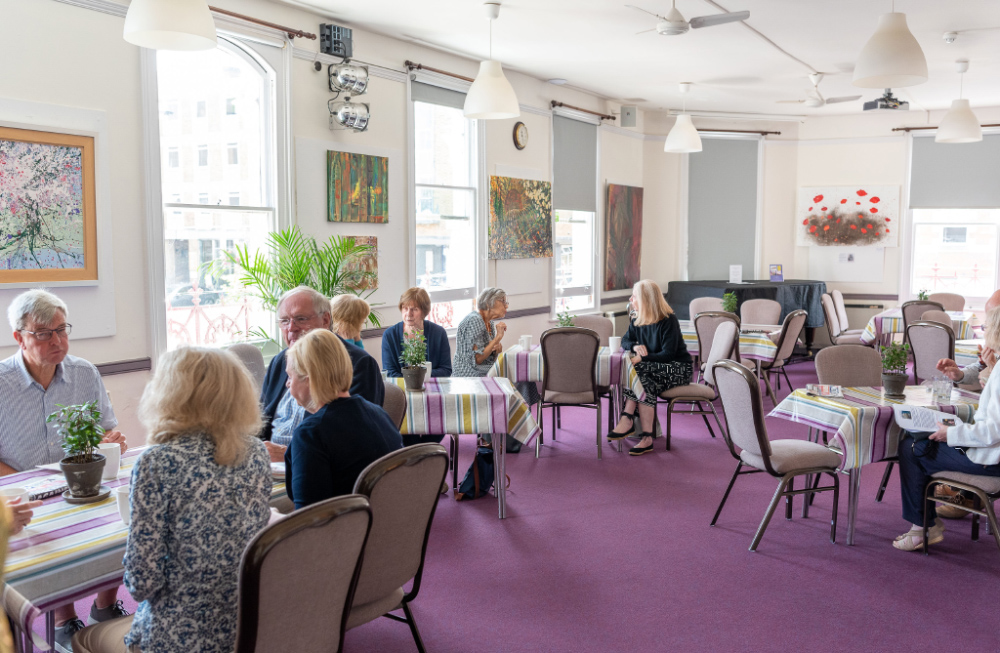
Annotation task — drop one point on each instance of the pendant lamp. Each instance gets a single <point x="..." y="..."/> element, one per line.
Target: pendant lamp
<point x="959" y="125"/>
<point x="170" y="25"/>
<point x="491" y="97"/>
<point x="892" y="58"/>
<point x="683" y="137"/>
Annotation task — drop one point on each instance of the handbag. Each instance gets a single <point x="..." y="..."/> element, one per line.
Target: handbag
<point x="480" y="476"/>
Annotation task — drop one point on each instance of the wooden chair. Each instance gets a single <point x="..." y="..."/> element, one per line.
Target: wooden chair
<point x="913" y="311"/>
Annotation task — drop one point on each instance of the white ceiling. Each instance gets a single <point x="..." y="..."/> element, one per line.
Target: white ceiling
<point x="593" y="44"/>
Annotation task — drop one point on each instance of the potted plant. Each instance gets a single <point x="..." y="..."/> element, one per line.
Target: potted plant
<point x="729" y="302"/>
<point x="894" y="374"/>
<point x="80" y="428"/>
<point x="565" y="319"/>
<point x="412" y="358"/>
<point x="923" y="295"/>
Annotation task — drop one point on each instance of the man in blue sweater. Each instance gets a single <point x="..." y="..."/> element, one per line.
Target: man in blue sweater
<point x="300" y="310"/>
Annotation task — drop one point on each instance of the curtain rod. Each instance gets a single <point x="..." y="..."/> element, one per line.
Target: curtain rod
<point x="292" y="33"/>
<point x="914" y="129"/>
<point x="737" y="131"/>
<point x="411" y="65"/>
<point x="602" y="116"/>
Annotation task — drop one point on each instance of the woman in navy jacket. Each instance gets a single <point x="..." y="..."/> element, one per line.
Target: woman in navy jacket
<point x="414" y="305"/>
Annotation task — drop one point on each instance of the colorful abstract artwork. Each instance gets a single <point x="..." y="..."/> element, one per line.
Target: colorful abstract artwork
<point x="48" y="227"/>
<point x="623" y="237"/>
<point x="520" y="218"/>
<point x="855" y="216"/>
<point x="357" y="187"/>
<point x="367" y="264"/>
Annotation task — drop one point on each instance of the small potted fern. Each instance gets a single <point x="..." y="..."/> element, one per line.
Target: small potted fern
<point x="79" y="426"/>
<point x="729" y="302"/>
<point x="412" y="358"/>
<point x="894" y="374"/>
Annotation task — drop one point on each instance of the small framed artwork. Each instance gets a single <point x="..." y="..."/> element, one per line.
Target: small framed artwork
<point x="776" y="272"/>
<point x="48" y="208"/>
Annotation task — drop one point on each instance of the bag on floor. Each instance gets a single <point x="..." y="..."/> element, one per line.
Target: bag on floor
<point x="479" y="479"/>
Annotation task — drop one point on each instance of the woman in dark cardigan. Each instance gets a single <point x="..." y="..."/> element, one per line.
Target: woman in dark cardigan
<point x="660" y="357"/>
<point x="414" y="306"/>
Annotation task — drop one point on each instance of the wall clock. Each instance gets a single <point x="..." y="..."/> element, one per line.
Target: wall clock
<point x="520" y="135"/>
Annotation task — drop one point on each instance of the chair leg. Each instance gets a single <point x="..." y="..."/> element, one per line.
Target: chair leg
<point x="600" y="440"/>
<point x="454" y="458"/>
<point x="704" y="416"/>
<point x="788" y="499"/>
<point x="885" y="481"/>
<point x="558" y="418"/>
<point x="836" y="499"/>
<point x="725" y="496"/>
<point x="413" y="628"/>
<point x="770" y="512"/>
<point x="977" y="504"/>
<point x="770" y="390"/>
<point x="717" y="420"/>
<point x="670" y="412"/>
<point x="991" y="517"/>
<point x="787" y="380"/>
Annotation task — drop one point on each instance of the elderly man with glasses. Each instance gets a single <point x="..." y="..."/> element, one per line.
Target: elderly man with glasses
<point x="300" y="310"/>
<point x="33" y="382"/>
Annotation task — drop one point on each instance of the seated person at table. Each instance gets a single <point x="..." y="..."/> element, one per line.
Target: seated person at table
<point x="198" y="496"/>
<point x="974" y="375"/>
<point x="341" y="434"/>
<point x="414" y="305"/>
<point x="968" y="448"/>
<point x="300" y="310"/>
<point x="661" y="361"/>
<point x="33" y="381"/>
<point x="348" y="314"/>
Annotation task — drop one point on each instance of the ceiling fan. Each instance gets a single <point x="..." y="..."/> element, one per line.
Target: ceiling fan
<point x="816" y="99"/>
<point x="673" y="23"/>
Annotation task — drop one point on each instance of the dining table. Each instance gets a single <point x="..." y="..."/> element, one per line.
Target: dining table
<point x="882" y="326"/>
<point x="68" y="551"/>
<point x="755" y="340"/>
<point x="478" y="405"/>
<point x="862" y="427"/>
<point x="967" y="351"/>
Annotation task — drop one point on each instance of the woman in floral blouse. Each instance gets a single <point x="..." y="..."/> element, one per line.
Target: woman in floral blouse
<point x="198" y="496"/>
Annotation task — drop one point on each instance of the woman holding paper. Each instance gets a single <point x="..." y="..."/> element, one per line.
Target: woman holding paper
<point x="967" y="448"/>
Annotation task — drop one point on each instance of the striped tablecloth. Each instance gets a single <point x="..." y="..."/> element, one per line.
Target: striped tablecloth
<point x="967" y="352"/>
<point x="67" y="551"/>
<point x="861" y="421"/>
<point x="611" y="369"/>
<point x="753" y="343"/>
<point x="882" y="326"/>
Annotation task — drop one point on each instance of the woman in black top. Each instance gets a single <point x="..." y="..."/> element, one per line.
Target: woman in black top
<point x="660" y="357"/>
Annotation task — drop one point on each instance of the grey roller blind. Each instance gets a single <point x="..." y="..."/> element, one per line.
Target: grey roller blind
<point x="722" y="208"/>
<point x="956" y="175"/>
<point x="431" y="94"/>
<point x="574" y="165"/>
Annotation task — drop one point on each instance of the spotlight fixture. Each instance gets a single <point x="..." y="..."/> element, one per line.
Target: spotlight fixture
<point x="348" y="77"/>
<point x="170" y="25"/>
<point x="960" y="124"/>
<point x="345" y="114"/>
<point x="683" y="137"/>
<point x="491" y="97"/>
<point x="892" y="58"/>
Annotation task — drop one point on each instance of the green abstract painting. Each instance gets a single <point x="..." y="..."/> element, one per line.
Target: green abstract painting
<point x="357" y="187"/>
<point x="520" y="218"/>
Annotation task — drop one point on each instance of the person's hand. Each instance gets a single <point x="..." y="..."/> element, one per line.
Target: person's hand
<point x="501" y="328"/>
<point x="636" y="359"/>
<point x="115" y="437"/>
<point x="950" y="369"/>
<point x="641" y="350"/>
<point x="988" y="357"/>
<point x="940" y="435"/>
<point x="275" y="451"/>
<point x="22" y="513"/>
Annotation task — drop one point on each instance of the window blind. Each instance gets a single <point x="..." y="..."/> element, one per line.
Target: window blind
<point x="574" y="165"/>
<point x="955" y="176"/>
<point x="420" y="92"/>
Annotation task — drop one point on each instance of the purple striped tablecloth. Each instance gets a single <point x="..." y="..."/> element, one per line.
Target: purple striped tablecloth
<point x="881" y="327"/>
<point x="862" y="421"/>
<point x="611" y="368"/>
<point x="754" y="340"/>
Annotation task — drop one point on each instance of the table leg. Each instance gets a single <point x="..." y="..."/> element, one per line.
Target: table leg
<point x="50" y="629"/>
<point x="500" y="478"/>
<point x="853" y="492"/>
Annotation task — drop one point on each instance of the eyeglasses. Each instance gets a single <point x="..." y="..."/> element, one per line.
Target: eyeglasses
<point x="299" y="320"/>
<point x="46" y="334"/>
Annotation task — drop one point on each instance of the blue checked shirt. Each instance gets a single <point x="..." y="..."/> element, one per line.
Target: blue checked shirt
<point x="286" y="418"/>
<point x="471" y="339"/>
<point x="25" y="439"/>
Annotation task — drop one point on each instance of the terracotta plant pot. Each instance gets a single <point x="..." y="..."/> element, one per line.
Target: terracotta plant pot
<point x="84" y="479"/>
<point x="894" y="383"/>
<point x="413" y="377"/>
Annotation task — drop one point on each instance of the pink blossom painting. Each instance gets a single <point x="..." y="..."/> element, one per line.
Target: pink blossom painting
<point x="48" y="228"/>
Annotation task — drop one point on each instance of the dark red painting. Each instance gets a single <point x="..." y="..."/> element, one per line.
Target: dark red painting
<point x="623" y="236"/>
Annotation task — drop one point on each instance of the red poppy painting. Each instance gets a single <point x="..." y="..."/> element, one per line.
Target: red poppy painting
<point x="623" y="237"/>
<point x="854" y="216"/>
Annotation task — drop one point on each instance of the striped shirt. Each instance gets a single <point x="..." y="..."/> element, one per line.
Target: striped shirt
<point x="471" y="339"/>
<point x="25" y="439"/>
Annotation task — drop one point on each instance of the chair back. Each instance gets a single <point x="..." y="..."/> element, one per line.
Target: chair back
<point x="705" y="326"/>
<point x="849" y="365"/>
<point x="402" y="488"/>
<point x="830" y="315"/>
<point x="704" y="305"/>
<point x="740" y="393"/>
<point x="913" y="311"/>
<point x="602" y="326"/>
<point x="395" y="403"/>
<point x="306" y="564"/>
<point x="951" y="301"/>
<point x="838" y="304"/>
<point x="790" y="330"/>
<point x="941" y="317"/>
<point x="760" y="311"/>
<point x="569" y="355"/>
<point x="252" y="359"/>
<point x="725" y="346"/>
<point x="929" y="342"/>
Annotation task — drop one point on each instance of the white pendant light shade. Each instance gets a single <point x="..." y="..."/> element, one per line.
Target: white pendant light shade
<point x="491" y="97"/>
<point x="959" y="125"/>
<point x="170" y="25"/>
<point x="892" y="58"/>
<point x="683" y="137"/>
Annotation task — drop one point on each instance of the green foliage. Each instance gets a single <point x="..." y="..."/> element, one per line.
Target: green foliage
<point x="894" y="358"/>
<point x="729" y="302"/>
<point x="923" y="295"/>
<point x="80" y="429"/>
<point x="292" y="259"/>
<point x="565" y="319"/>
<point x="414" y="349"/>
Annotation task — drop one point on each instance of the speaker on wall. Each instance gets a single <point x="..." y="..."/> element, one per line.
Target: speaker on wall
<point x="628" y="115"/>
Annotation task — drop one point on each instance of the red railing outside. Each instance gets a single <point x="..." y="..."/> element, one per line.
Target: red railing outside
<point x="220" y="321"/>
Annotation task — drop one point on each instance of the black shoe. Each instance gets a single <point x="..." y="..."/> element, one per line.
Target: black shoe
<point x="638" y="451"/>
<point x="64" y="635"/>
<point x="613" y="436"/>
<point x="97" y="615"/>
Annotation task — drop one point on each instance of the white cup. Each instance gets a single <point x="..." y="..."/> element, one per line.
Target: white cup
<point x="525" y="342"/>
<point x="614" y="343"/>
<point x="112" y="452"/>
<point x="9" y="494"/>
<point x="385" y="375"/>
<point x="124" y="508"/>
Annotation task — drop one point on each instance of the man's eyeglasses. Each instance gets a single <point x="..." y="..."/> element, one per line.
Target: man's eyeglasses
<point x="46" y="334"/>
<point x="299" y="320"/>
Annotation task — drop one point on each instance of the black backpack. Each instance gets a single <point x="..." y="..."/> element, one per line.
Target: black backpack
<point x="479" y="479"/>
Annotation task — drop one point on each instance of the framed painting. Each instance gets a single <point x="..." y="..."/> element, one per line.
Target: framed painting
<point x="848" y="216"/>
<point x="520" y="218"/>
<point x="357" y="187"/>
<point x="623" y="237"/>
<point x="367" y="265"/>
<point x="48" y="209"/>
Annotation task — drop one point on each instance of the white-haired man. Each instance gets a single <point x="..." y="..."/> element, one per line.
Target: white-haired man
<point x="40" y="375"/>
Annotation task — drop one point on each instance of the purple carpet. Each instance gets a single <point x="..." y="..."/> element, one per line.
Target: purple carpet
<point x="617" y="555"/>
